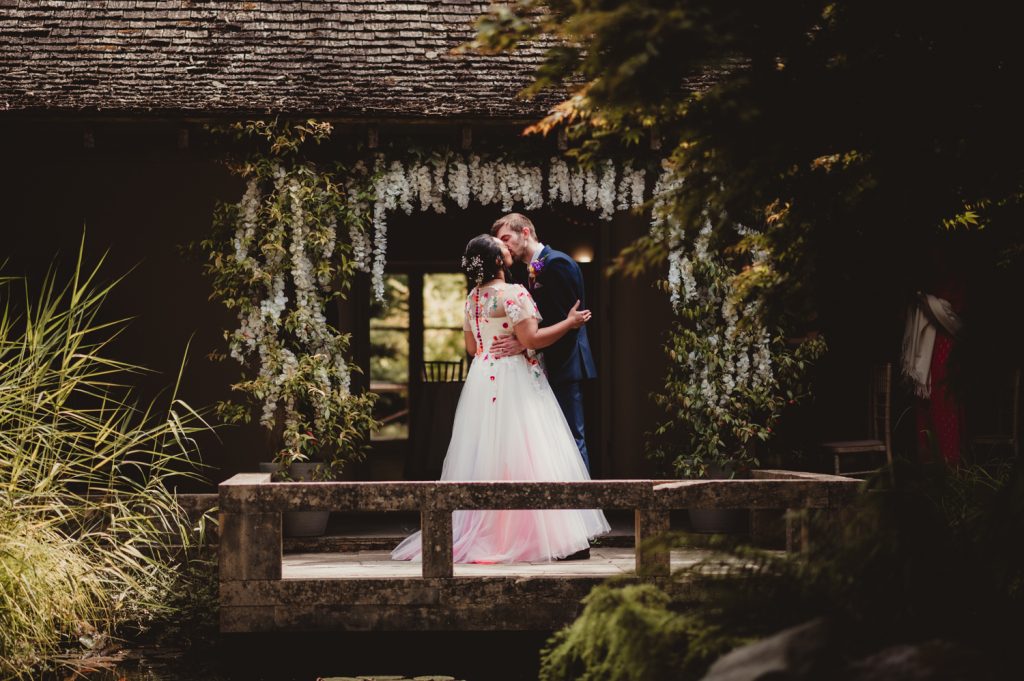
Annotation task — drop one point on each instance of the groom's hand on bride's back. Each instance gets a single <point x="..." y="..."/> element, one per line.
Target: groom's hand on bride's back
<point x="577" y="317"/>
<point x="507" y="346"/>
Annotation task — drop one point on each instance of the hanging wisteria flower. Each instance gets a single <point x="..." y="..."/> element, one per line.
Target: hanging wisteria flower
<point x="577" y="185"/>
<point x="458" y="183"/>
<point x="606" y="190"/>
<point x="638" y="185"/>
<point x="558" y="181"/>
<point x="512" y="184"/>
<point x="591" y="190"/>
<point x="625" y="187"/>
<point x="730" y="374"/>
<point x="275" y="259"/>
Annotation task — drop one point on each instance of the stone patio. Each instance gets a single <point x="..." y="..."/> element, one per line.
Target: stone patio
<point x="604" y="562"/>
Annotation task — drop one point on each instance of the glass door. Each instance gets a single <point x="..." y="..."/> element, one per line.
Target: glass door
<point x="389" y="359"/>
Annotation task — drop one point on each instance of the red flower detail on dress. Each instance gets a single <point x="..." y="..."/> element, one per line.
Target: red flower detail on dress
<point x="492" y="378"/>
<point x="504" y="325"/>
<point x="493" y="400"/>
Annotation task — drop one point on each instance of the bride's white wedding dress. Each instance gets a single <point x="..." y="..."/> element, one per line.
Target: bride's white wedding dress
<point x="508" y="426"/>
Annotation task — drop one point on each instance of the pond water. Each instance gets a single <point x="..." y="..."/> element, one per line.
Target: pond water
<point x="471" y="656"/>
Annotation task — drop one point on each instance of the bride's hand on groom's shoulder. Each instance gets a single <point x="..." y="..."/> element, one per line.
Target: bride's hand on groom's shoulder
<point x="578" y="317"/>
<point x="507" y="346"/>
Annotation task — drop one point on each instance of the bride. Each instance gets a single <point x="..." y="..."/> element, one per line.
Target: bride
<point x="508" y="425"/>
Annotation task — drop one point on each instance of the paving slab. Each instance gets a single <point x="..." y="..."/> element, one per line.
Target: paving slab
<point x="606" y="561"/>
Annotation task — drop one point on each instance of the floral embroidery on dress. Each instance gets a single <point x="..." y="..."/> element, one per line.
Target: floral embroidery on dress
<point x="500" y="309"/>
<point x="521" y="306"/>
<point x="513" y="311"/>
<point x="537" y="369"/>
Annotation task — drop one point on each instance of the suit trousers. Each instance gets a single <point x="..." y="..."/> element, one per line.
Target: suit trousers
<point x="570" y="399"/>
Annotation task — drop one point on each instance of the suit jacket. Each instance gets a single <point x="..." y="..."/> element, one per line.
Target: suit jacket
<point x="558" y="286"/>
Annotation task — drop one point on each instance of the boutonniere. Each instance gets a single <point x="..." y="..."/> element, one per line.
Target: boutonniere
<point x="535" y="267"/>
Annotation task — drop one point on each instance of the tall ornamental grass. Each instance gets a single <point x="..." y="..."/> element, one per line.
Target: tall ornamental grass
<point x="90" y="531"/>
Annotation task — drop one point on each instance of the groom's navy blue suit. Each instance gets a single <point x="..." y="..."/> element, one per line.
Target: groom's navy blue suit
<point x="557" y="287"/>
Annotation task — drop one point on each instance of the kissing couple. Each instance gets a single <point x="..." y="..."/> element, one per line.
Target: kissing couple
<point x="515" y="420"/>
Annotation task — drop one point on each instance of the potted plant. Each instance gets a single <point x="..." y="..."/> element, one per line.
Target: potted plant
<point x="730" y="374"/>
<point x="277" y="258"/>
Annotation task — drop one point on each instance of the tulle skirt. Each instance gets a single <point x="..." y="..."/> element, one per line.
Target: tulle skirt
<point x="508" y="426"/>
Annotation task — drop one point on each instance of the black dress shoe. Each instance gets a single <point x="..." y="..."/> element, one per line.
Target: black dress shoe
<point x="583" y="554"/>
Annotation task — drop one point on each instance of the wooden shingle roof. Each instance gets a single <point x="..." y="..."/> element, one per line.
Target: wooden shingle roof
<point x="200" y="57"/>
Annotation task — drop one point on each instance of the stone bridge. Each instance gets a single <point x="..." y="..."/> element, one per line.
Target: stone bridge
<point x="262" y="589"/>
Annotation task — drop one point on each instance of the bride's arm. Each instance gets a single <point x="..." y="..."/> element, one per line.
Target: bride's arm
<point x="470" y="342"/>
<point x="534" y="338"/>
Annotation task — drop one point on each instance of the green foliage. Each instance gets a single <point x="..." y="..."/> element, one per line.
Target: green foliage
<point x="88" y="517"/>
<point x="849" y="136"/>
<point x="704" y="435"/>
<point x="630" y="633"/>
<point x="277" y="258"/>
<point x="730" y="373"/>
<point x="443" y="301"/>
<point x="937" y="557"/>
<point x="192" y="620"/>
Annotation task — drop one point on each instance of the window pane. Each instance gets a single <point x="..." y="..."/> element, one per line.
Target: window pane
<point x="443" y="344"/>
<point x="444" y="297"/>
<point x="389" y="359"/>
<point x="389" y="356"/>
<point x="396" y="312"/>
<point x="392" y="408"/>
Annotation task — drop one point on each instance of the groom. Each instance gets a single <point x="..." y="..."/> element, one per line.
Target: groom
<point x="556" y="283"/>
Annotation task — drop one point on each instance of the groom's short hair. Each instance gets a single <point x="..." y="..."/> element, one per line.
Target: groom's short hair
<point x="516" y="222"/>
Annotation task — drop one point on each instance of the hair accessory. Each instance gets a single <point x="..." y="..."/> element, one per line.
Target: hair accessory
<point x="474" y="268"/>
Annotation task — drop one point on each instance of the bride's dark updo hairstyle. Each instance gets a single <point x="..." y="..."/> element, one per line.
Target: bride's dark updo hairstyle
<point x="483" y="260"/>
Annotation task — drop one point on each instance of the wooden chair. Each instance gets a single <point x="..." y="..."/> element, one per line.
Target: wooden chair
<point x="1007" y="420"/>
<point x="879" y="440"/>
<point x="437" y="399"/>
<point x="441" y="371"/>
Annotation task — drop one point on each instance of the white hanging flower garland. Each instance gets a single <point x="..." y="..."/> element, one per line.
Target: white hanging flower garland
<point x="463" y="179"/>
<point x="283" y="332"/>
